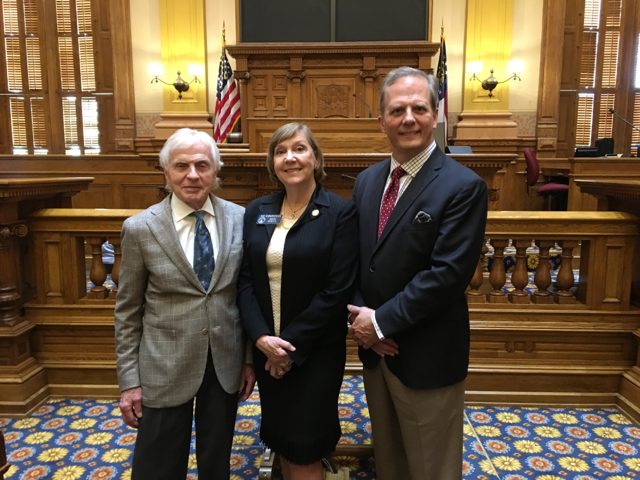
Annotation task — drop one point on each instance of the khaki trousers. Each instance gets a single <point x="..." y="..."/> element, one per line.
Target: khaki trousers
<point x="417" y="434"/>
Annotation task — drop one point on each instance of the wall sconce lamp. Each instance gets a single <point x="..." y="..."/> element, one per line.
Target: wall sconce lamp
<point x="155" y="69"/>
<point x="515" y="67"/>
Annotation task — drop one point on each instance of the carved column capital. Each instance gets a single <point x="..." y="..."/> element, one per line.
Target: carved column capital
<point x="296" y="74"/>
<point x="241" y="75"/>
<point x="19" y="230"/>
<point x="369" y="74"/>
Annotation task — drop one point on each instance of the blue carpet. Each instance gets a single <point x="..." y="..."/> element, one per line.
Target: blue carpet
<point x="86" y="439"/>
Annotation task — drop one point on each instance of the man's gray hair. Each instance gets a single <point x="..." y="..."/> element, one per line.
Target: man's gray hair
<point x="394" y="75"/>
<point x="185" y="138"/>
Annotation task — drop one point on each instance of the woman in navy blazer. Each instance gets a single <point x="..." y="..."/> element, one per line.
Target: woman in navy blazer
<point x="298" y="273"/>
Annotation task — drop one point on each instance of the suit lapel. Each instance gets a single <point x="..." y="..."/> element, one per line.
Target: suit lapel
<point x="372" y="216"/>
<point x="319" y="198"/>
<point x="224" y="225"/>
<point x="425" y="176"/>
<point x="164" y="230"/>
<point x="270" y="205"/>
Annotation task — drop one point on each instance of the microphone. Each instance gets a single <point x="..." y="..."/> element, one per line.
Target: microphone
<point x="344" y="176"/>
<point x="365" y="103"/>
<point x="613" y="112"/>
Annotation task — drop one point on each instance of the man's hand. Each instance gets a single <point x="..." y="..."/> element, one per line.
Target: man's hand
<point x="385" y="347"/>
<point x="131" y="406"/>
<point x="275" y="349"/>
<point x="362" y="328"/>
<point x="247" y="381"/>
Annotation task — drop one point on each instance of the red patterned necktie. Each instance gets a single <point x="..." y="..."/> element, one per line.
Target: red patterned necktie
<point x="389" y="198"/>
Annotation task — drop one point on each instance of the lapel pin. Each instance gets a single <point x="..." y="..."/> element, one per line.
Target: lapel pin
<point x="315" y="213"/>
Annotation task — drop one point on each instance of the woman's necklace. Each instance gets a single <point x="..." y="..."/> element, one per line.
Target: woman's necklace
<point x="292" y="215"/>
<point x="286" y="223"/>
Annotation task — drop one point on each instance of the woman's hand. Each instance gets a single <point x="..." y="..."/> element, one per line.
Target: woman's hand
<point x="275" y="371"/>
<point x="276" y="350"/>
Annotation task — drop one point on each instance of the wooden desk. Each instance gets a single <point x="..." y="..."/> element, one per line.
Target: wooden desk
<point x="554" y="167"/>
<point x="607" y="169"/>
<point x="619" y="195"/>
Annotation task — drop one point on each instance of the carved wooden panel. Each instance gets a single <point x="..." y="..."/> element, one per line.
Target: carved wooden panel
<point x="309" y="69"/>
<point x="332" y="97"/>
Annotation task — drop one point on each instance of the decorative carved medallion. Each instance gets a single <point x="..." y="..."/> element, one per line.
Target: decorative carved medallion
<point x="332" y="100"/>
<point x="296" y="74"/>
<point x="494" y="195"/>
<point x="368" y="73"/>
<point x="19" y="230"/>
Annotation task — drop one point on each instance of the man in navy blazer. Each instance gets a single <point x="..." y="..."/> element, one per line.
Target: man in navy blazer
<point x="422" y="221"/>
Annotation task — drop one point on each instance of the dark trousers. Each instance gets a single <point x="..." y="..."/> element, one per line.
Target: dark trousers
<point x="164" y="435"/>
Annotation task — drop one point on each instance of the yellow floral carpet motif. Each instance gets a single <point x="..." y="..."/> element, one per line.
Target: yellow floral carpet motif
<point x="87" y="439"/>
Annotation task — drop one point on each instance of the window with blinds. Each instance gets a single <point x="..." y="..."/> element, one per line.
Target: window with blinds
<point x="606" y="71"/>
<point x="48" y="41"/>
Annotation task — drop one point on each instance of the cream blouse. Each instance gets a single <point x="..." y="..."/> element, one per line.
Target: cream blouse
<point x="274" y="267"/>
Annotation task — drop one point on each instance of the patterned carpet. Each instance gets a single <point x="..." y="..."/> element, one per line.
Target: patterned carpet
<point x="86" y="439"/>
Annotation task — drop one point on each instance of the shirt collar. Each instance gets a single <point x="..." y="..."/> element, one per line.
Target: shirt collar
<point x="181" y="210"/>
<point x="413" y="166"/>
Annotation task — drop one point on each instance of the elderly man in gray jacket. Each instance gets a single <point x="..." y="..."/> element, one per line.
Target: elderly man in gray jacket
<point x="180" y="263"/>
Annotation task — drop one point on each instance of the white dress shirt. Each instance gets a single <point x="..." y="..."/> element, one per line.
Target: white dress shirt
<point x="412" y="167"/>
<point x="185" y="226"/>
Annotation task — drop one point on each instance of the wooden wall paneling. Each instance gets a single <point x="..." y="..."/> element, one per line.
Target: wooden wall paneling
<point x="6" y="142"/>
<point x="51" y="80"/>
<point x="625" y="98"/>
<point x="136" y="195"/>
<point x="348" y="135"/>
<point x="99" y="195"/>
<point x="550" y="71"/>
<point x="122" y="64"/>
<point x="359" y="65"/>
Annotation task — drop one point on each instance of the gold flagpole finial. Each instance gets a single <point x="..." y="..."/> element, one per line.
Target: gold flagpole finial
<point x="224" y="41"/>
<point x="442" y="28"/>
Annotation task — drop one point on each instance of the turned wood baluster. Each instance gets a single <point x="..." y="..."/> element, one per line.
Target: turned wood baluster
<point x="542" y="278"/>
<point x="115" y="272"/>
<point x="97" y="273"/>
<point x="565" y="274"/>
<point x="519" y="277"/>
<point x="497" y="277"/>
<point x="473" y="294"/>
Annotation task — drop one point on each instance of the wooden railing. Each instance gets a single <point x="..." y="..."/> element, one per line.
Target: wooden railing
<point x="601" y="244"/>
<point x="542" y="341"/>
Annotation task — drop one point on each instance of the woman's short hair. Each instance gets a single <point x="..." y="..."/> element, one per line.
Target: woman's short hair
<point x="185" y="138"/>
<point x="287" y="131"/>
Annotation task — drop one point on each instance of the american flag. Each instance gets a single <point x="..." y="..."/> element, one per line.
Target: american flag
<point x="227" y="100"/>
<point x="442" y="78"/>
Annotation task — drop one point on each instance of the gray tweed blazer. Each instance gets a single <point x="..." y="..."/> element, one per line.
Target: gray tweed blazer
<point x="166" y="353"/>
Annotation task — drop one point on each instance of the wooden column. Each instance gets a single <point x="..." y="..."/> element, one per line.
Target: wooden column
<point x="242" y="75"/>
<point x="550" y="77"/>
<point x="296" y="74"/>
<point x="369" y="73"/>
<point x="125" y="111"/>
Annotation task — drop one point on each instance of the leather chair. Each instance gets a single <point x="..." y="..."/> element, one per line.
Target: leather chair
<point x="552" y="190"/>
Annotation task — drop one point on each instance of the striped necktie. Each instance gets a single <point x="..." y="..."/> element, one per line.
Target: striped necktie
<point x="203" y="261"/>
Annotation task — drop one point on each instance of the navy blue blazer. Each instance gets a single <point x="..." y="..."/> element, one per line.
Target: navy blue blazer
<point x="319" y="269"/>
<point x="415" y="276"/>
